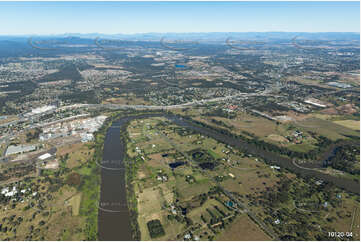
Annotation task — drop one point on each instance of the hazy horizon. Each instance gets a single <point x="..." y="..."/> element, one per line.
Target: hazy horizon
<point x="140" y="33"/>
<point x="54" y="18"/>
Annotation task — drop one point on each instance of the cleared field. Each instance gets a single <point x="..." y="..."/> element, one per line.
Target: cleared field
<point x="277" y="138"/>
<point x="351" y="124"/>
<point x="246" y="124"/>
<point x="157" y="161"/>
<point x="74" y="202"/>
<point x="309" y="82"/>
<point x="155" y="145"/>
<point x="301" y="147"/>
<point x="150" y="207"/>
<point x="326" y="128"/>
<point x="65" y="227"/>
<point x="78" y="154"/>
<point x="195" y="214"/>
<point x="187" y="190"/>
<point x="128" y="100"/>
<point x="249" y="181"/>
<point x="242" y="229"/>
<point x="258" y="126"/>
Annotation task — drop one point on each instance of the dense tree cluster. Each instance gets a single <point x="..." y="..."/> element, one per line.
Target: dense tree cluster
<point x="345" y="159"/>
<point x="155" y="228"/>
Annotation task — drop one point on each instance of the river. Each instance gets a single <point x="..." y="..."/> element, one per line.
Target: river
<point x="113" y="216"/>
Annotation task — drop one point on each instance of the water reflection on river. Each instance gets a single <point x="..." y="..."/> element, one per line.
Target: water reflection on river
<point x="113" y="218"/>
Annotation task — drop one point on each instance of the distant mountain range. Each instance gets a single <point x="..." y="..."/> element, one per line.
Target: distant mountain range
<point x="214" y="36"/>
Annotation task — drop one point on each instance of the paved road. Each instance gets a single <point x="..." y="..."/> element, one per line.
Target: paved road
<point x="167" y="107"/>
<point x="25" y="118"/>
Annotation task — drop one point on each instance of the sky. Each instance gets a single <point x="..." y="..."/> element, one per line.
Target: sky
<point x="17" y="18"/>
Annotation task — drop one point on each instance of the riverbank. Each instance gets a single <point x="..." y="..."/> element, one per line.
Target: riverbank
<point x="90" y="186"/>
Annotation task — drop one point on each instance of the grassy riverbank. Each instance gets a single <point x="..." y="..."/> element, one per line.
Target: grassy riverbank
<point x="90" y="184"/>
<point x="131" y="172"/>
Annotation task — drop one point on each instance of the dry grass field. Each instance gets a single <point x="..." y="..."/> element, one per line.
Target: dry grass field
<point x="78" y="154"/>
<point x="326" y="128"/>
<point x="74" y="202"/>
<point x="351" y="124"/>
<point x="243" y="229"/>
<point x="126" y="100"/>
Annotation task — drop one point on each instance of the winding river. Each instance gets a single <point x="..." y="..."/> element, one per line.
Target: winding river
<point x="114" y="219"/>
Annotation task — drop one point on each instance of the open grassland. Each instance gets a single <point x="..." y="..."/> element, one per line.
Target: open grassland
<point x="277" y="138"/>
<point x="188" y="190"/>
<point x="326" y="128"/>
<point x="243" y="229"/>
<point x="301" y="147"/>
<point x="150" y="206"/>
<point x="251" y="126"/>
<point x="78" y="154"/>
<point x="310" y="82"/>
<point x="127" y="99"/>
<point x="249" y="181"/>
<point x="351" y="124"/>
<point x="74" y="202"/>
<point x="258" y="126"/>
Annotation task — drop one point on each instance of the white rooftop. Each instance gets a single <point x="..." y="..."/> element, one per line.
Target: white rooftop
<point x="15" y="149"/>
<point x="44" y="156"/>
<point x="42" y="109"/>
